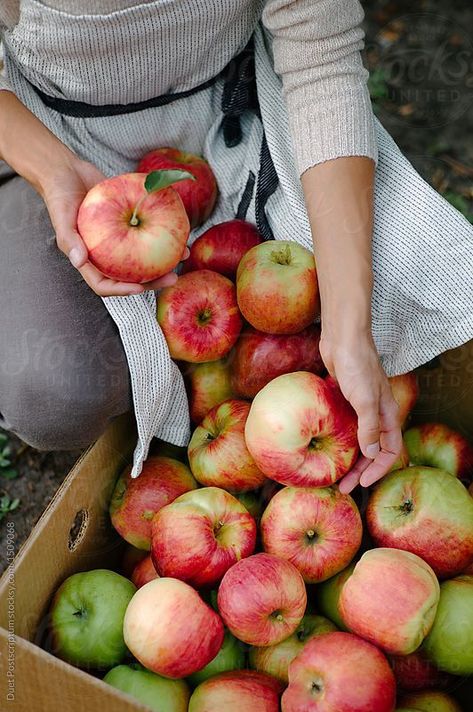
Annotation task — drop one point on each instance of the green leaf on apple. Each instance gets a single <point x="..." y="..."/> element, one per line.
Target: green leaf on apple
<point x="157" y="180"/>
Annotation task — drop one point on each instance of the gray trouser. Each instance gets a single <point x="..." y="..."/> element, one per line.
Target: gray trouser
<point x="63" y="371"/>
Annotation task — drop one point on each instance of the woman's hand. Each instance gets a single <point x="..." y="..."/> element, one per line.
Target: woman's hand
<point x="364" y="384"/>
<point x="63" y="192"/>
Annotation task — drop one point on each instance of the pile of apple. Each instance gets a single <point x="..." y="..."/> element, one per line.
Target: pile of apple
<point x="251" y="582"/>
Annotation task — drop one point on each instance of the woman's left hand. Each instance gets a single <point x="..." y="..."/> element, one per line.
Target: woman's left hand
<point x="364" y="384"/>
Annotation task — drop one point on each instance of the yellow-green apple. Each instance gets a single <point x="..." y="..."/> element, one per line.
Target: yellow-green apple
<point x="222" y="246"/>
<point x="170" y="630"/>
<point x="405" y="389"/>
<point x="231" y="656"/>
<point x="301" y="431"/>
<point x="390" y="599"/>
<point x="339" y="672"/>
<point x="277" y="287"/>
<point x="431" y="701"/>
<point x="237" y="691"/>
<point x="208" y="385"/>
<point x="198" y="194"/>
<point x="131" y="233"/>
<point x="144" y="572"/>
<point x="258" y="357"/>
<point x="199" y="316"/>
<point x="135" y="501"/>
<point x="262" y="599"/>
<point x="449" y="645"/>
<point x="155" y="692"/>
<point x="414" y="672"/>
<point x="275" y="659"/>
<point x="253" y="502"/>
<point x="318" y="530"/>
<point x="328" y="596"/>
<point x="86" y="618"/>
<point x="427" y="511"/>
<point x="217" y="452"/>
<point x="200" y="535"/>
<point x="437" y="445"/>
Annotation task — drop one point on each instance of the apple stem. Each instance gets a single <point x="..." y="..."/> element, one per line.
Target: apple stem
<point x="134" y="220"/>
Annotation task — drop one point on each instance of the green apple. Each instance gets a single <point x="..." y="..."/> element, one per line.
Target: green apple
<point x="86" y="618"/>
<point x="328" y="594"/>
<point x="449" y="645"/>
<point x="231" y="656"/>
<point x="431" y="701"/>
<point x="158" y="693"/>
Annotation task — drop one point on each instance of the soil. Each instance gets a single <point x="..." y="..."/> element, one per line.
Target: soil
<point x="422" y="94"/>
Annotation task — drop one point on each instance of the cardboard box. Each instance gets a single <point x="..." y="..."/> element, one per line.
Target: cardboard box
<point x="43" y="683"/>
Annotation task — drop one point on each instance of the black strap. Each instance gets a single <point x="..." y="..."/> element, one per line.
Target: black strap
<point x="267" y="183"/>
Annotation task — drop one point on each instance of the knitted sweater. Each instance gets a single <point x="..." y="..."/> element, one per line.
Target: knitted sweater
<point x="316" y="49"/>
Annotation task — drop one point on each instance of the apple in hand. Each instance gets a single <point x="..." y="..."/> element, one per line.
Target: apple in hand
<point x="134" y="226"/>
<point x="339" y="672"/>
<point x="437" y="445"/>
<point x="449" y="645"/>
<point x="318" y="530"/>
<point x="135" y="501"/>
<point x="405" y="390"/>
<point x="258" y="357"/>
<point x="262" y="599"/>
<point x="217" y="452"/>
<point x="221" y="247"/>
<point x="277" y="287"/>
<point x="328" y="596"/>
<point x="170" y="630"/>
<point x="414" y="672"/>
<point x="390" y="599"/>
<point x="144" y="572"/>
<point x="231" y="656"/>
<point x="431" y="701"/>
<point x="275" y="659"/>
<point x="199" y="316"/>
<point x="155" y="692"/>
<point x="426" y="511"/>
<point x="237" y="691"/>
<point x="301" y="431"/>
<point x="86" y="618"/>
<point x="208" y="385"/>
<point x="201" y="535"/>
<point x="198" y="194"/>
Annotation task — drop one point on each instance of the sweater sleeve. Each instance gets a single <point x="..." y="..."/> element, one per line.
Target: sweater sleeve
<point x="9" y="12"/>
<point x="316" y="47"/>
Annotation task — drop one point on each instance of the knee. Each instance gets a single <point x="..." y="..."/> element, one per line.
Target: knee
<point x="64" y="410"/>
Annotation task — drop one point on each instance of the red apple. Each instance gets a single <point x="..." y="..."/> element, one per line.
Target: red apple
<point x="201" y="535"/>
<point x="259" y="357"/>
<point x="415" y="672"/>
<point x="390" y="599"/>
<point x="431" y="701"/>
<point x="301" y="431"/>
<point x="135" y="501"/>
<point x="170" y="630"/>
<point x="405" y="389"/>
<point x="277" y="287"/>
<point x="208" y="384"/>
<point x="199" y="195"/>
<point x="199" y="316"/>
<point x="217" y="452"/>
<point x="262" y="599"/>
<point x="237" y="691"/>
<point x="132" y="235"/>
<point x="275" y="659"/>
<point x="339" y="672"/>
<point x="144" y="572"/>
<point x="222" y="246"/>
<point x="317" y="530"/>
<point x="131" y="557"/>
<point x="426" y="511"/>
<point x="437" y="445"/>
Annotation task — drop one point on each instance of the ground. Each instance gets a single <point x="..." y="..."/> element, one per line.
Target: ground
<point x="422" y="93"/>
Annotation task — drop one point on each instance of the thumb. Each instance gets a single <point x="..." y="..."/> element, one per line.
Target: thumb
<point x="368" y="425"/>
<point x="73" y="246"/>
<point x="63" y="214"/>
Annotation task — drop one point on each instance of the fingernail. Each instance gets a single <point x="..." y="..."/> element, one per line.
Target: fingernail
<point x="75" y="257"/>
<point x="172" y="279"/>
<point x="372" y="450"/>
